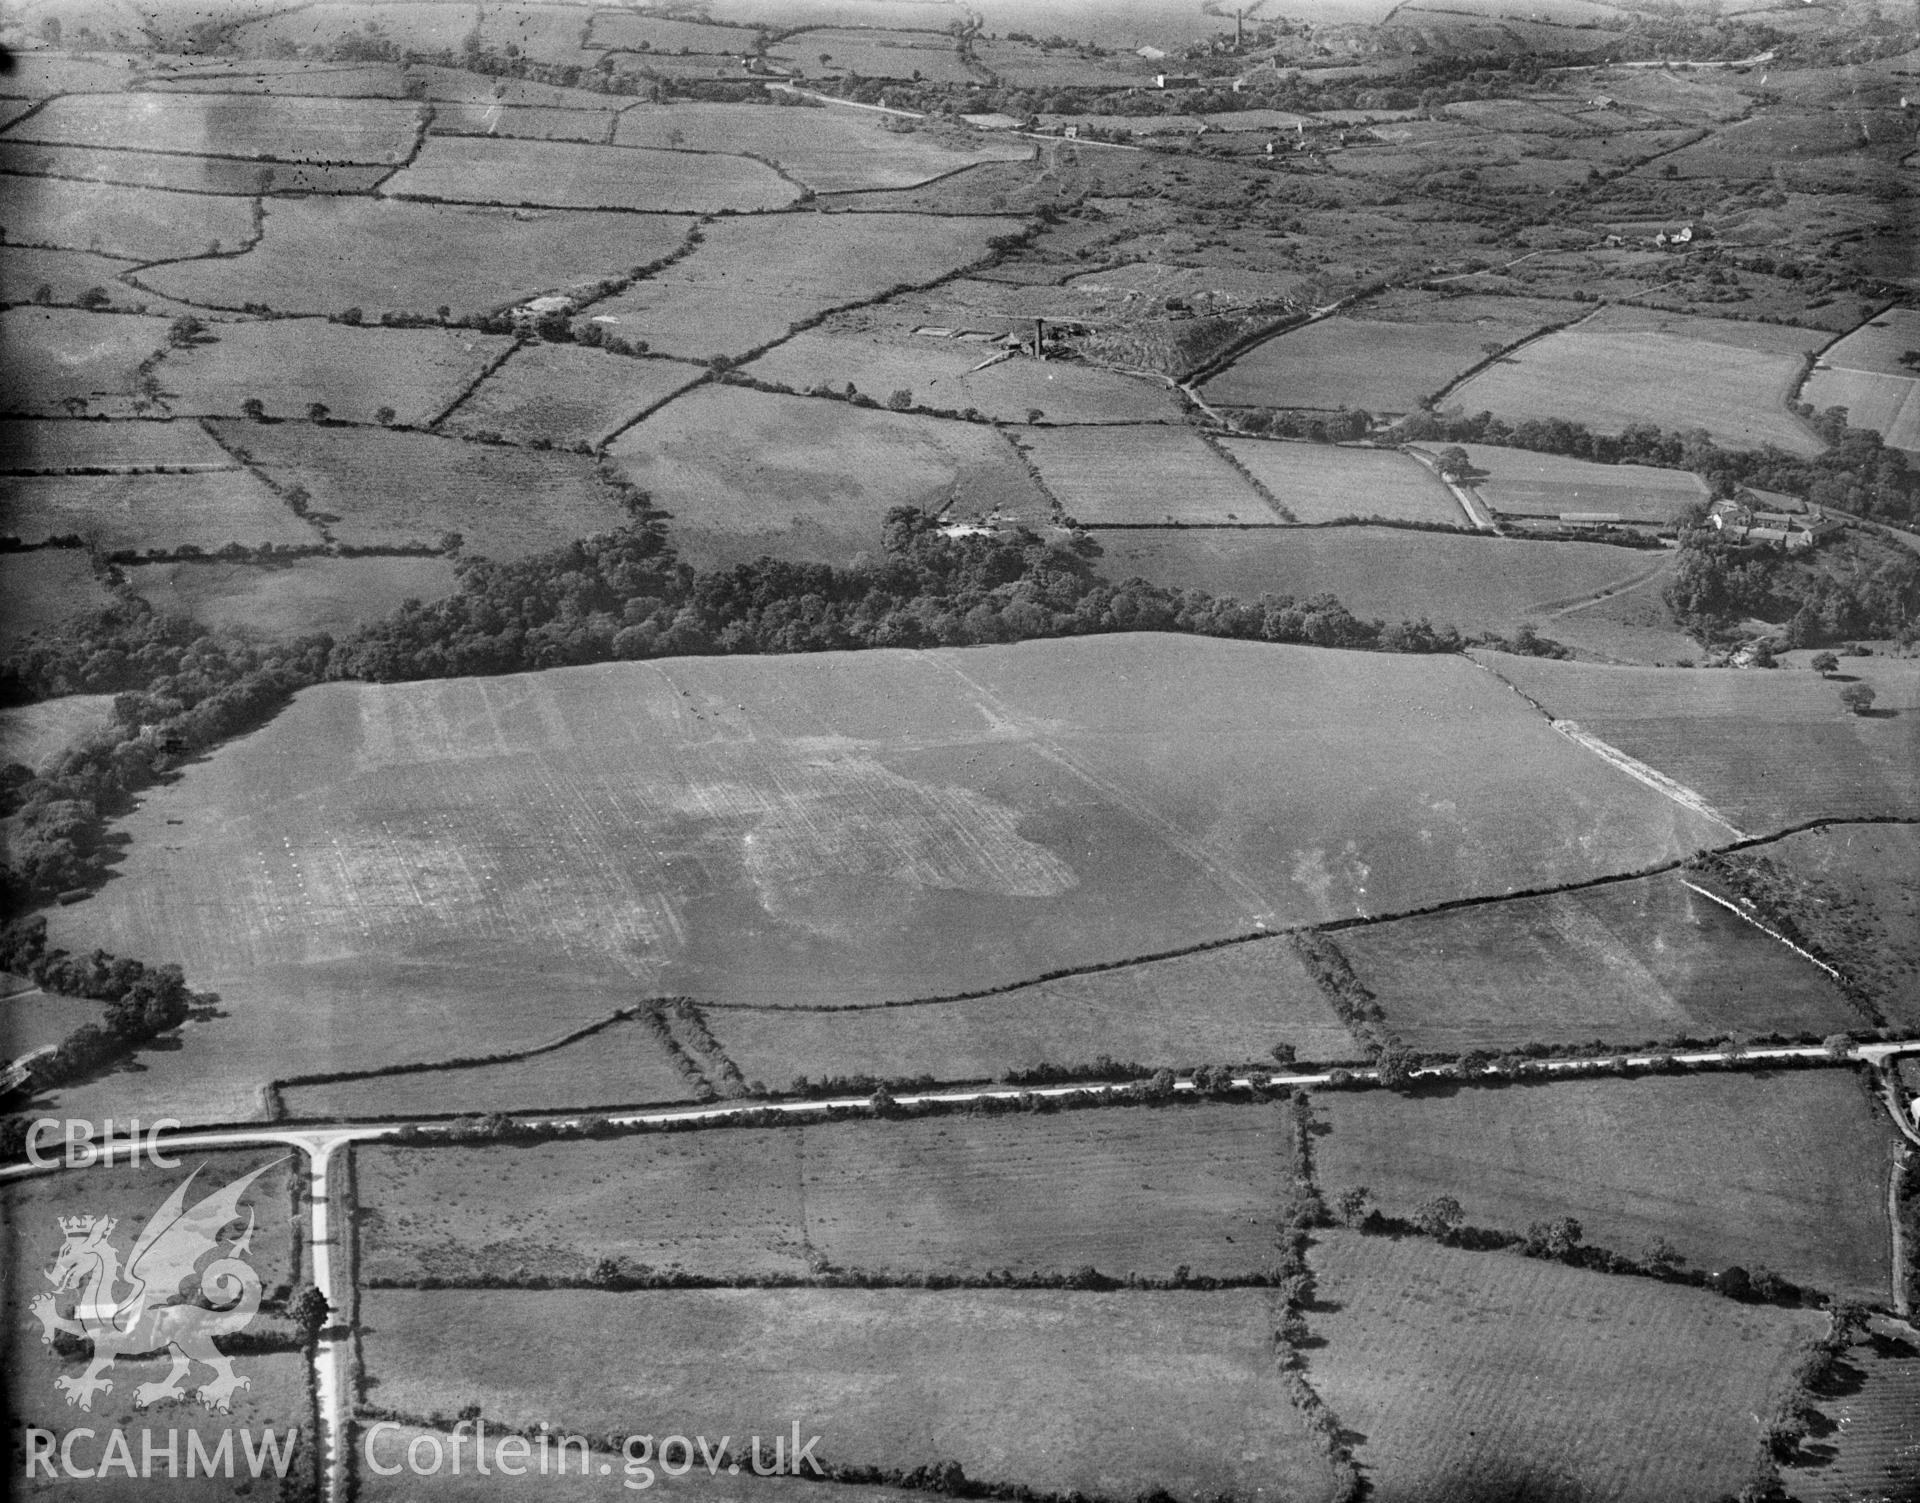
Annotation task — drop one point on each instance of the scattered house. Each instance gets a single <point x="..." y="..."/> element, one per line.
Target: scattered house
<point x="1175" y="81"/>
<point x="1613" y="241"/>
<point x="1151" y="54"/>
<point x="1071" y="132"/>
<point x="1604" y="102"/>
<point x="993" y="120"/>
<point x="1744" y="522"/>
<point x="934" y="331"/>
<point x="1591" y="518"/>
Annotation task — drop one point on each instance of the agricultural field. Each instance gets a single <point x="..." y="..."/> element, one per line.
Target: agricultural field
<point x="1787" y="1172"/>
<point x="567" y="394"/>
<point x="1475" y="583"/>
<point x="43" y="588"/>
<point x="1873" y="1447"/>
<point x="1232" y="1004"/>
<point x="324" y="255"/>
<point x="991" y="814"/>
<point x="1632" y="624"/>
<point x="286" y="76"/>
<point x="1627" y="962"/>
<point x="1859" y="907"/>
<point x="1141" y="476"/>
<point x="384" y="488"/>
<point x="234" y="177"/>
<point x="136" y="513"/>
<point x="34" y="735"/>
<point x="64" y="277"/>
<point x="522" y="121"/>
<point x="830" y="151"/>
<point x="31" y="446"/>
<point x="559" y="174"/>
<point x="1385" y="358"/>
<point x="943" y="375"/>
<point x="1320" y="483"/>
<point x="61" y="359"/>
<point x="1890" y="405"/>
<point x="1476" y="1375"/>
<point x="1519" y="483"/>
<point x="433" y="27"/>
<point x="255" y="126"/>
<point x="687" y="322"/>
<point x="744" y="473"/>
<point x="956" y="1196"/>
<point x="356" y="373"/>
<point x="860" y="52"/>
<point x="622" y="1065"/>
<point x="32" y="1019"/>
<point x="138" y="223"/>
<point x="1095" y="1393"/>
<point x="1768" y="750"/>
<point x="625" y="31"/>
<point x="1732" y="379"/>
<point x="1878" y="345"/>
<point x="1021" y="65"/>
<point x="291" y="598"/>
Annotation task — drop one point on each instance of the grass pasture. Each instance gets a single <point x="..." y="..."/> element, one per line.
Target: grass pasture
<point x="1890" y="405"/>
<point x="324" y="255"/>
<point x="140" y="223"/>
<point x="34" y="735"/>
<point x="1097" y="1393"/>
<point x="41" y="589"/>
<point x="1519" y="483"/>
<point x="562" y="175"/>
<point x="568" y="394"/>
<point x="1481" y="1375"/>
<point x="1732" y="379"/>
<point x="355" y="372"/>
<point x="698" y="322"/>
<point x="432" y="27"/>
<point x="871" y="53"/>
<point x="625" y="31"/>
<point x="622" y="1065"/>
<point x="255" y="126"/>
<point x="940" y="374"/>
<point x="1322" y="483"/>
<point x="522" y="121"/>
<point x="1787" y="1172"/>
<point x="745" y="473"/>
<point x="1022" y="65"/>
<point x="1230" y="1004"/>
<point x="296" y="76"/>
<point x="1383" y="359"/>
<point x="389" y="488"/>
<point x="950" y="1195"/>
<point x="1629" y="962"/>
<point x="60" y="276"/>
<point x="234" y="177"/>
<point x="1877" y="345"/>
<point x="822" y="828"/>
<point x="1863" y="911"/>
<point x="1141" y="476"/>
<point x="32" y="446"/>
<point x="293" y="598"/>
<point x="34" y="1019"/>
<point x="121" y="513"/>
<point x="55" y="355"/>
<point x="1766" y="749"/>
<point x="830" y="150"/>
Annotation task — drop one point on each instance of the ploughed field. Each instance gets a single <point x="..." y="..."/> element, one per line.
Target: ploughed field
<point x="386" y="874"/>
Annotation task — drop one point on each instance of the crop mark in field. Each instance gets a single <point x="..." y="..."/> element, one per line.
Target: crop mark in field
<point x="1640" y="772"/>
<point x="1242" y="888"/>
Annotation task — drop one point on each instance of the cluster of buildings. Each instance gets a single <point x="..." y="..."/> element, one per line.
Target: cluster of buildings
<point x="1744" y="520"/>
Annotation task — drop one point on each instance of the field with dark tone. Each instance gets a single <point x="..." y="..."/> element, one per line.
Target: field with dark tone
<point x="1485" y="1375"/>
<point x="826" y="828"/>
<point x="1064" y="1391"/>
<point x="293" y="597"/>
<point x="958" y="1196"/>
<point x="1626" y="962"/>
<point x="1872" y="1449"/>
<point x="1787" y="1172"/>
<point x="41" y="588"/>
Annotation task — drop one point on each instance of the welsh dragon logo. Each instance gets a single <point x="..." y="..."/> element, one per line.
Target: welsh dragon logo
<point x="139" y="1309"/>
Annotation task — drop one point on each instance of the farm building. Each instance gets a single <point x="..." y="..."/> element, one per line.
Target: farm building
<point x="530" y="313"/>
<point x="1175" y="81"/>
<point x="1744" y="522"/>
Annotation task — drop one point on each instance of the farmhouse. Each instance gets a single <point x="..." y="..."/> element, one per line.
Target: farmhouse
<point x="1738" y="518"/>
<point x="530" y="313"/>
<point x="1175" y="81"/>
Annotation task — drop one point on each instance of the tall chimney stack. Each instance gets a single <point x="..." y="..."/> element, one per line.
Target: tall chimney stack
<point x="1039" y="339"/>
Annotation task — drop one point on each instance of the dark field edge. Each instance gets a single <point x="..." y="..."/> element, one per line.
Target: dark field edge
<point x="1258" y="486"/>
<point x="1331" y="926"/>
<point x="432" y="424"/>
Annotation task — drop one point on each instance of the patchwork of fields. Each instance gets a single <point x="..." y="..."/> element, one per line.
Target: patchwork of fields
<point x="1517" y="483"/>
<point x="1316" y="483"/>
<point x="1141" y="476"/>
<point x="990" y="815"/>
<point x="1064" y="1391"/>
